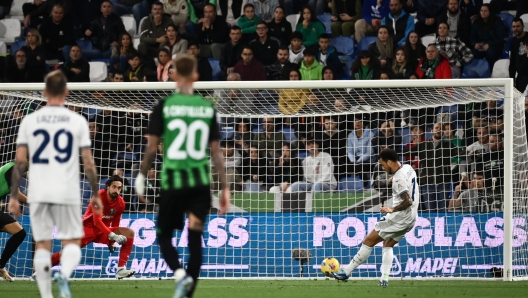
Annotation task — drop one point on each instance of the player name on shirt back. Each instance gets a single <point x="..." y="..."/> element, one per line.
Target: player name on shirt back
<point x="53" y="119"/>
<point x="188" y="111"/>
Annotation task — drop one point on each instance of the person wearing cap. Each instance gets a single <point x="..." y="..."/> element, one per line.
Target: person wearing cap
<point x="318" y="169"/>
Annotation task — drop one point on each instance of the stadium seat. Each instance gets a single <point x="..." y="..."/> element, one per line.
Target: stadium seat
<point x="139" y="28"/>
<point x="289" y="134"/>
<point x="136" y="42"/>
<point x="16" y="46"/>
<point x="326" y="19"/>
<point x="10" y="29"/>
<point x="364" y="43"/>
<point x="257" y="128"/>
<point x="293" y="19"/>
<point x="506" y="53"/>
<point x="350" y="184"/>
<point x="3" y="48"/>
<point x="130" y="25"/>
<point x="406" y="135"/>
<point x="476" y="69"/>
<point x="215" y="65"/>
<point x="348" y="72"/>
<point x="91" y="112"/>
<point x="524" y="17"/>
<point x="98" y="71"/>
<point x="84" y="44"/>
<point x="507" y="20"/>
<point x="227" y="132"/>
<point x="345" y="46"/>
<point x="500" y="69"/>
<point x="16" y="10"/>
<point x="428" y="39"/>
<point x="102" y="183"/>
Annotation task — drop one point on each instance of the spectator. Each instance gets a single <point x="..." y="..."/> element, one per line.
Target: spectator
<point x="291" y="101"/>
<point x="492" y="163"/>
<point x="5" y="7"/>
<point x="136" y="125"/>
<point x="455" y="50"/>
<point x="385" y="75"/>
<point x="402" y="68"/>
<point x="148" y="203"/>
<point x="517" y="47"/>
<point x="520" y="6"/>
<point x="429" y="11"/>
<point x="365" y="67"/>
<point x="232" y="163"/>
<point x="410" y="6"/>
<point x="522" y="71"/>
<point x="279" y="27"/>
<point x="383" y="48"/>
<point x="469" y="199"/>
<point x="449" y="135"/>
<point x="213" y="32"/>
<point x="310" y="27"/>
<point x="231" y="52"/>
<point x="254" y="171"/>
<point x="285" y="170"/>
<point x="178" y="10"/>
<point x="373" y="12"/>
<point x="84" y="13"/>
<point x="234" y="100"/>
<point x="139" y="8"/>
<point x="414" y="47"/>
<point x="489" y="116"/>
<point x="399" y="21"/>
<point x="265" y="8"/>
<point x="175" y="44"/>
<point x="269" y="140"/>
<point x="153" y="35"/>
<point x="359" y="148"/>
<point x="280" y="70"/>
<point x="204" y="67"/>
<point x="165" y="61"/>
<point x="487" y="34"/>
<point x="471" y="8"/>
<point x="434" y="66"/>
<point x="333" y="141"/>
<point x="119" y="58"/>
<point x="231" y="10"/>
<point x="310" y="69"/>
<point x="33" y="11"/>
<point x="100" y="147"/>
<point x="318" y="169"/>
<point x="127" y="192"/>
<point x="197" y="10"/>
<point x="264" y="47"/>
<point x="136" y="71"/>
<point x="327" y="56"/>
<point x="36" y="55"/>
<point x="76" y="69"/>
<point x="57" y="35"/>
<point x="435" y="170"/>
<point x="118" y="77"/>
<point x="328" y="74"/>
<point x="410" y="150"/>
<point x="18" y="70"/>
<point x="104" y="32"/>
<point x="387" y="137"/>
<point x="344" y="16"/>
<point x="248" y="23"/>
<point x="243" y="136"/>
<point x="458" y="21"/>
<point x="249" y="68"/>
<point x="296" y="48"/>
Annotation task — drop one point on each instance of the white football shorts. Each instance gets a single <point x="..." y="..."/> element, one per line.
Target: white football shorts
<point x="45" y="217"/>
<point x="387" y="228"/>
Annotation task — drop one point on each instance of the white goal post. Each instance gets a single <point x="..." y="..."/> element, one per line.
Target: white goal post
<point x="257" y="237"/>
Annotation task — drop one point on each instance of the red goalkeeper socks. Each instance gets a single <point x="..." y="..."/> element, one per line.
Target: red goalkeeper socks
<point x="125" y="251"/>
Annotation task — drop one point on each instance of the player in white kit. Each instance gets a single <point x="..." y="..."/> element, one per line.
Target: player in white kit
<point x="399" y="220"/>
<point x="52" y="137"/>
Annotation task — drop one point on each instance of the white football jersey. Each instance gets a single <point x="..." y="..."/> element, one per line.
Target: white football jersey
<point x="54" y="136"/>
<point x="405" y="180"/>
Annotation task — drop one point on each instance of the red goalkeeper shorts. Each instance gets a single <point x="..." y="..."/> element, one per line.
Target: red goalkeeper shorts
<point x="95" y="235"/>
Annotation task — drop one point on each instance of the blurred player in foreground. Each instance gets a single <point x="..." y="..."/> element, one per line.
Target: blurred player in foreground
<point x="7" y="223"/>
<point x="399" y="220"/>
<point x="188" y="125"/>
<point x="104" y="228"/>
<point x="52" y="138"/>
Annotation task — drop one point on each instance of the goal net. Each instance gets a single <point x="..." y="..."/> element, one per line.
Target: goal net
<point x="301" y="160"/>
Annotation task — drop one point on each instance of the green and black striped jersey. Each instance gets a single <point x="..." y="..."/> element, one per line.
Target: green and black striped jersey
<point x="186" y="124"/>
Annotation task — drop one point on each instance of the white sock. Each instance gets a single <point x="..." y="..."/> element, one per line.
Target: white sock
<point x="42" y="263"/>
<point x="70" y="258"/>
<point x="386" y="263"/>
<point x="179" y="274"/>
<point x="361" y="256"/>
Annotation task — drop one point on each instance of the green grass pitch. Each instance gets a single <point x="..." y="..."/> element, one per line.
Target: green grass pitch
<point x="284" y="288"/>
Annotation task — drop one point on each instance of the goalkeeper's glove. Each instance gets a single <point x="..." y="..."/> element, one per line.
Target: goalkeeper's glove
<point x="117" y="238"/>
<point x="111" y="248"/>
<point x="140" y="184"/>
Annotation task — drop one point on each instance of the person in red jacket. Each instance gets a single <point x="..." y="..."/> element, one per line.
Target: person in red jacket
<point x="104" y="228"/>
<point x="434" y="65"/>
<point x="249" y="68"/>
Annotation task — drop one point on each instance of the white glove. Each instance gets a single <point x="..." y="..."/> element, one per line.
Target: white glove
<point x="140" y="184"/>
<point x="117" y="238"/>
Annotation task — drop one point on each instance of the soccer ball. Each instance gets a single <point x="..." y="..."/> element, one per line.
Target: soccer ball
<point x="329" y="265"/>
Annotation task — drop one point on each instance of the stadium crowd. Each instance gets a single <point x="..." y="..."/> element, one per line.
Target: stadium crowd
<point x="458" y="152"/>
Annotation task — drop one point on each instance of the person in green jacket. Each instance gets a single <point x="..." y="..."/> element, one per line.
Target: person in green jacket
<point x="310" y="27"/>
<point x="7" y="223"/>
<point x="196" y="16"/>
<point x="248" y="23"/>
<point x="310" y="68"/>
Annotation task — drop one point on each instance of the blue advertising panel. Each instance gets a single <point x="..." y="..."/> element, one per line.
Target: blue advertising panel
<point x="261" y="244"/>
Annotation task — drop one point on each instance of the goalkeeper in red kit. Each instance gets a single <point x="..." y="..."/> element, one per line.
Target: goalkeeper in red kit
<point x="104" y="228"/>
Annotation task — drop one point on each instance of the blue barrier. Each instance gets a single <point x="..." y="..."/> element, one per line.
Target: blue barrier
<point x="260" y="245"/>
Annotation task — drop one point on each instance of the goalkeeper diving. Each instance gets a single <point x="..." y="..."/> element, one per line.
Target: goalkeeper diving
<point x="104" y="228"/>
<point x="399" y="220"/>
